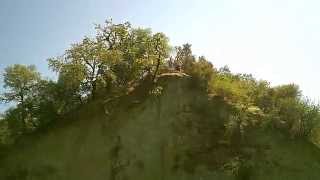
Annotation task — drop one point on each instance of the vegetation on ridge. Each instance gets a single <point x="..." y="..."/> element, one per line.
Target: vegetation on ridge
<point x="121" y="57"/>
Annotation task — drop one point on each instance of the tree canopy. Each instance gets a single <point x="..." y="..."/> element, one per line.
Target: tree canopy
<point x="20" y="80"/>
<point x="118" y="55"/>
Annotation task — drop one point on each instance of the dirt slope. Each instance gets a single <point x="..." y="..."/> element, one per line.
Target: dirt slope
<point x="142" y="141"/>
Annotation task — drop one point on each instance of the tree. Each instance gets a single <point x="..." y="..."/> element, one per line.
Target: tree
<point x="201" y="70"/>
<point x="117" y="56"/>
<point x="19" y="80"/>
<point x="161" y="49"/>
<point x="184" y="58"/>
<point x="84" y="64"/>
<point x="142" y="51"/>
<point x="287" y="91"/>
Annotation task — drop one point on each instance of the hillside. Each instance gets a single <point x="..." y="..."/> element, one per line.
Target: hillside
<point x="143" y="139"/>
<point x="128" y="105"/>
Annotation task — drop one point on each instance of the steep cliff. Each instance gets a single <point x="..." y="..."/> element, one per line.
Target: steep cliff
<point x="161" y="135"/>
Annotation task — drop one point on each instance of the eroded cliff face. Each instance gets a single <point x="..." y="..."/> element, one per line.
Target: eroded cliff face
<point x="136" y="142"/>
<point x="144" y="140"/>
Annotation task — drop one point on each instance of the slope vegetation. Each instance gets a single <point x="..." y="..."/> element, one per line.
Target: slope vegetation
<point x="173" y="131"/>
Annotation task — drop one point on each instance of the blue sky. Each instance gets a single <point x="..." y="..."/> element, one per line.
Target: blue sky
<point x="276" y="40"/>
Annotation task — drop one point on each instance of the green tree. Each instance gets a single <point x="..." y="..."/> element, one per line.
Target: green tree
<point x="83" y="65"/>
<point x="184" y="59"/>
<point x="161" y="50"/>
<point x="116" y="57"/>
<point x="19" y="81"/>
<point x="201" y="70"/>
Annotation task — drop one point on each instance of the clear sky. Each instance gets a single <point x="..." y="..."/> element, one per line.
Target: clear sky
<point x="276" y="40"/>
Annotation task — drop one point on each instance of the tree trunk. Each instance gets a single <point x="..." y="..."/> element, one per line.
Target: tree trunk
<point x="23" y="113"/>
<point x="94" y="89"/>
<point x="157" y="69"/>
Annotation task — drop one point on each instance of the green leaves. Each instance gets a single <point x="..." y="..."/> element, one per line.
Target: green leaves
<point x="282" y="107"/>
<point x="119" y="54"/>
<point x="20" y="81"/>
